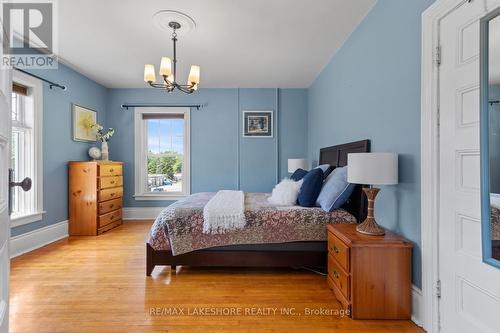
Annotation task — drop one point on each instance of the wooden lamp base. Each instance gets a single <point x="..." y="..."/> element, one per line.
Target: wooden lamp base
<point x="369" y="226"/>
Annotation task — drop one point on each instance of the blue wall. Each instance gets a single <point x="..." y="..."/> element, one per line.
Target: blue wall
<point x="371" y="90"/>
<point x="58" y="146"/>
<point x="220" y="157"/>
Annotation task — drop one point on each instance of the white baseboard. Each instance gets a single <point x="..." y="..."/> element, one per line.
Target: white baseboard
<point x="37" y="238"/>
<point x="417" y="302"/>
<point x="141" y="213"/>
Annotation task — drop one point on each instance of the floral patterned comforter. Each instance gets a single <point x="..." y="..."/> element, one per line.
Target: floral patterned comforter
<point x="179" y="226"/>
<point x="495" y="223"/>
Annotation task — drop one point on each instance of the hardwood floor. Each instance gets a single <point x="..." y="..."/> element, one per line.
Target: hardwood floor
<point x="98" y="284"/>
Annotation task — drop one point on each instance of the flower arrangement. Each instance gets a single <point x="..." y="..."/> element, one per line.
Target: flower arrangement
<point x="101" y="135"/>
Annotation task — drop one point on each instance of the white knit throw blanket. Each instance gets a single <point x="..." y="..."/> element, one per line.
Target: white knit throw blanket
<point x="224" y="212"/>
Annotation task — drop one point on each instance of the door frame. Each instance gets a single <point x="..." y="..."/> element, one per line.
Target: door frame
<point x="429" y="164"/>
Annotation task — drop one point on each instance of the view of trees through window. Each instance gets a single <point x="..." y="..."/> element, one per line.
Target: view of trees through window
<point x="165" y="154"/>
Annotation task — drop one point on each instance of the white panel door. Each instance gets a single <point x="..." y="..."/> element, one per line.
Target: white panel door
<point x="470" y="289"/>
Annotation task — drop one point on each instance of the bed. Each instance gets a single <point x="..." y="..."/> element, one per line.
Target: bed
<point x="495" y="224"/>
<point x="275" y="236"/>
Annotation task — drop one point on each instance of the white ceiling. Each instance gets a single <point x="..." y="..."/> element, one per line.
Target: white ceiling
<point x="237" y="43"/>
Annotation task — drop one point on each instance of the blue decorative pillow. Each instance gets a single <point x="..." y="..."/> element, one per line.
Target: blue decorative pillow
<point x="336" y="190"/>
<point x="311" y="187"/>
<point x="327" y="169"/>
<point x="298" y="174"/>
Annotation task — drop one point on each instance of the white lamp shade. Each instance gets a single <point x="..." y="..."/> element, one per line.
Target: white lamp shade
<point x="296" y="163"/>
<point x="372" y="168"/>
<point x="194" y="75"/>
<point x="149" y="73"/>
<point x="165" y="66"/>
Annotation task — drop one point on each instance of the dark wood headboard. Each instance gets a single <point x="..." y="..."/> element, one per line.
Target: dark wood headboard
<point x="336" y="156"/>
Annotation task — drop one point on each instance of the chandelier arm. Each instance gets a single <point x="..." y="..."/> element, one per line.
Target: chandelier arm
<point x="189" y="86"/>
<point x="167" y="82"/>
<point x="184" y="89"/>
<point x="157" y="85"/>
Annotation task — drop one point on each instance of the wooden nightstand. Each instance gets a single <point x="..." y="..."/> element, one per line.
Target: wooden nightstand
<point x="370" y="275"/>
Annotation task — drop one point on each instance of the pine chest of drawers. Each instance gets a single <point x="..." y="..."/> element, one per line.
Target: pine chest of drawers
<point x="370" y="275"/>
<point x="95" y="197"/>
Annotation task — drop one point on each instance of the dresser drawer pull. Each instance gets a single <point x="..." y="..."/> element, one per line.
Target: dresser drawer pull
<point x="336" y="274"/>
<point x="111" y="170"/>
<point x="111" y="206"/>
<point x="112" y="194"/>
<point x="112" y="182"/>
<point x="335" y="249"/>
<point x="111" y="217"/>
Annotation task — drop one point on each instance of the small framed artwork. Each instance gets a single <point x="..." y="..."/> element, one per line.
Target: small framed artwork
<point x="83" y="120"/>
<point x="258" y="124"/>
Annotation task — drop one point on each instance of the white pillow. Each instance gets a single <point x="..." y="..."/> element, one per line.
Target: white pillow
<point x="285" y="193"/>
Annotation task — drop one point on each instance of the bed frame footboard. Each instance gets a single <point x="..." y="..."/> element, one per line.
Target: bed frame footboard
<point x="211" y="258"/>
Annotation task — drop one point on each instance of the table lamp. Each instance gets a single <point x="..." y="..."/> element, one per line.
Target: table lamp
<point x="372" y="169"/>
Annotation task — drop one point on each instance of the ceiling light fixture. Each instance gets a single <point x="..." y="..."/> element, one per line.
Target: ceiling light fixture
<point x="168" y="70"/>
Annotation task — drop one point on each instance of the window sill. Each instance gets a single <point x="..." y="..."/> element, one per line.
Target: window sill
<point x="26" y="219"/>
<point x="164" y="197"/>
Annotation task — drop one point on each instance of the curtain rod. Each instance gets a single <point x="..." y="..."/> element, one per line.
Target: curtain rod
<point x="51" y="84"/>
<point x="197" y="106"/>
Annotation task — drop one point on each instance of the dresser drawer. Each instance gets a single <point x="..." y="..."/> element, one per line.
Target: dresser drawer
<point x="110" y="217"/>
<point x="110" y="193"/>
<point x="339" y="277"/>
<point x="107" y="182"/>
<point x="108" y="206"/>
<point x="339" y="251"/>
<point x="110" y="170"/>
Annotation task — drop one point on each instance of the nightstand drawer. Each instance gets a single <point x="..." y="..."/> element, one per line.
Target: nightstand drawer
<point x="108" y="206"/>
<point x="339" y="251"/>
<point x="338" y="295"/>
<point x="110" y="170"/>
<point x="108" y="182"/>
<point x="110" y="217"/>
<point x="338" y="276"/>
<point x="110" y="193"/>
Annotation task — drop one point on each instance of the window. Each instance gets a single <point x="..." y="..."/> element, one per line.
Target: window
<point x="26" y="148"/>
<point x="161" y="153"/>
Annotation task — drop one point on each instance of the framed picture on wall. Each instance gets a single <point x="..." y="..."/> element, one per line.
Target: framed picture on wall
<point x="258" y="124"/>
<point x="83" y="120"/>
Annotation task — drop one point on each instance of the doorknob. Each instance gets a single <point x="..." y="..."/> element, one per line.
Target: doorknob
<point x="25" y="184"/>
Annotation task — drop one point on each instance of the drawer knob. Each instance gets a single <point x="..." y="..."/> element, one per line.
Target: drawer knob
<point x="111" y="170"/>
<point x="112" y="182"/>
<point x="112" y="194"/>
<point x="111" y="217"/>
<point x="335" y="249"/>
<point x="336" y="274"/>
<point x="111" y="206"/>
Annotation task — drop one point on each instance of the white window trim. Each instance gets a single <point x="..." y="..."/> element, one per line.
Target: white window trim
<point x="36" y="90"/>
<point x="140" y="164"/>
